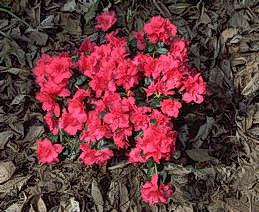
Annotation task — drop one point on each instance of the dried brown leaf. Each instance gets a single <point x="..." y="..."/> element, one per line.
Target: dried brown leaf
<point x="39" y="38"/>
<point x="97" y="195"/>
<point x="14" y="208"/>
<point x="200" y="155"/>
<point x="15" y="183"/>
<point x="124" y="198"/>
<point x="252" y="86"/>
<point x="73" y="206"/>
<point x="113" y="192"/>
<point x="41" y="205"/>
<point x="6" y="171"/>
<point x="34" y="133"/>
<point x="19" y="99"/>
<point x="69" y="6"/>
<point x="227" y="34"/>
<point x="4" y="137"/>
<point x="203" y="132"/>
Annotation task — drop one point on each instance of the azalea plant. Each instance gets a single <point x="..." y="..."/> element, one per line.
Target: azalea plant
<point x="119" y="93"/>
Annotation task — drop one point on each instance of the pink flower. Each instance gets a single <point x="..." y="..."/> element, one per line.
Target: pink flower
<point x="140" y="40"/>
<point x="102" y="156"/>
<point x="52" y="123"/>
<point x="170" y="107"/>
<point x="195" y="89"/>
<point x="158" y="143"/>
<point x="48" y="102"/>
<point x="135" y="156"/>
<point x="105" y="20"/>
<point x="179" y="50"/>
<point x="153" y="194"/>
<point x="86" y="46"/>
<point x="47" y="152"/>
<point x="71" y="123"/>
<point x="91" y="156"/>
<point x="160" y="29"/>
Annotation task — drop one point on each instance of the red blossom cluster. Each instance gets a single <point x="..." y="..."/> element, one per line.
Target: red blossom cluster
<point x="109" y="110"/>
<point x="153" y="193"/>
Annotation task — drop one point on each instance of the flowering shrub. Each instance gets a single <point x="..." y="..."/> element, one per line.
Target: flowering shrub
<point x="112" y="98"/>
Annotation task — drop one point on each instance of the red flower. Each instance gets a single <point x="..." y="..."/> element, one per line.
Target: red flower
<point x="47" y="152"/>
<point x="195" y="89"/>
<point x="153" y="193"/>
<point x="71" y="123"/>
<point x="145" y="63"/>
<point x="135" y="156"/>
<point x="48" y="103"/>
<point x="105" y="20"/>
<point x="139" y="118"/>
<point x="120" y="137"/>
<point x="161" y="120"/>
<point x="88" y="154"/>
<point x="86" y="46"/>
<point x="101" y="83"/>
<point x="158" y="87"/>
<point x="159" y="29"/>
<point x="91" y="156"/>
<point x="102" y="156"/>
<point x="179" y="50"/>
<point x="140" y="40"/>
<point x="127" y="74"/>
<point x="52" y="123"/>
<point x="158" y="142"/>
<point x="170" y="107"/>
<point x="95" y="129"/>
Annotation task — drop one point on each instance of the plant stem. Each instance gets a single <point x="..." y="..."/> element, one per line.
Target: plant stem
<point x="60" y="136"/>
<point x="155" y="168"/>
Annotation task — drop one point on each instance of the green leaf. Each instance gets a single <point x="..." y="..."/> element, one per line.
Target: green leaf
<point x="150" y="163"/>
<point x="101" y="144"/>
<point x="162" y="50"/>
<point x="150" y="172"/>
<point x="160" y="44"/>
<point x="150" y="48"/>
<point x="81" y="80"/>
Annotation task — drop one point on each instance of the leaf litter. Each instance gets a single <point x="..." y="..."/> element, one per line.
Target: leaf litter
<point x="217" y="169"/>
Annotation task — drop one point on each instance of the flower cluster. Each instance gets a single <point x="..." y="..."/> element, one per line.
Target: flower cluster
<point x="127" y="101"/>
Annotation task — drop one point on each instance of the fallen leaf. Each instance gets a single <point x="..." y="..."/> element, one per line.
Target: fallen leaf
<point x="203" y="132"/>
<point x="19" y="99"/>
<point x="6" y="171"/>
<point x="252" y="86"/>
<point x="41" y="205"/>
<point x="15" y="183"/>
<point x="14" y="208"/>
<point x="97" y="195"/>
<point x="38" y="38"/>
<point x="89" y="9"/>
<point x="34" y="133"/>
<point x="227" y="34"/>
<point x="4" y="137"/>
<point x="69" y="6"/>
<point x="124" y="198"/>
<point x="73" y="206"/>
<point x="200" y="155"/>
<point x="238" y="21"/>
<point x="113" y="192"/>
